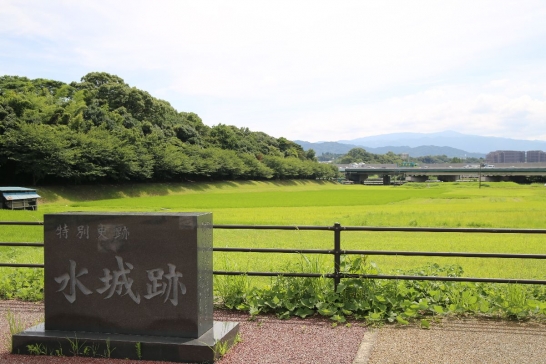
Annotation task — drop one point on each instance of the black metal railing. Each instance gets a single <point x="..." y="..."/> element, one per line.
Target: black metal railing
<point x="337" y="252"/>
<point x="22" y="223"/>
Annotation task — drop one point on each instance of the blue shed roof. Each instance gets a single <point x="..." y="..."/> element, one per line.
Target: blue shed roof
<point x="16" y="189"/>
<point x="20" y="196"/>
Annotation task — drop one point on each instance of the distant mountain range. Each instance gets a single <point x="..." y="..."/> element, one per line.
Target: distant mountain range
<point x="449" y="143"/>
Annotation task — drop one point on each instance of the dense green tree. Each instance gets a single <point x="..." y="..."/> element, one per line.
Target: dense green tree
<point x="170" y="161"/>
<point x="357" y="155"/>
<point x="224" y="136"/>
<point x="255" y="168"/>
<point x="328" y="157"/>
<point x="311" y="155"/>
<point x="37" y="151"/>
<point x="325" y="171"/>
<point x="430" y="159"/>
<point x="101" y="129"/>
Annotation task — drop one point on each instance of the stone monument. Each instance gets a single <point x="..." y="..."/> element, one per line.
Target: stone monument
<point x="131" y="285"/>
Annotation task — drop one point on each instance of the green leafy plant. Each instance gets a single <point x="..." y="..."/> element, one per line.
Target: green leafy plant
<point x="90" y="350"/>
<point x="77" y="347"/>
<point x="23" y="284"/>
<point x="380" y="301"/>
<point x="37" y="349"/>
<point x="138" y="348"/>
<point x="220" y="349"/>
<point x="108" y="350"/>
<point x="15" y="324"/>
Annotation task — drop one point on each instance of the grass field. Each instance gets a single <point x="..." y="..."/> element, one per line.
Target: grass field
<point x="494" y="205"/>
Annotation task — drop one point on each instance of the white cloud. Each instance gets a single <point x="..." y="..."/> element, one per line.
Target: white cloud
<point x="313" y="70"/>
<point x="462" y="108"/>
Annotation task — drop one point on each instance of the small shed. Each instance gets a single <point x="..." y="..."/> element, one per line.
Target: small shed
<point x="19" y="198"/>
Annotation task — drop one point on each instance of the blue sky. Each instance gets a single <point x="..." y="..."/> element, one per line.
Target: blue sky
<point x="306" y="70"/>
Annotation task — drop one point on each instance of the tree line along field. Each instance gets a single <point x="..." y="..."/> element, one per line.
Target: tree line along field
<point x="494" y="205"/>
<point x="101" y="130"/>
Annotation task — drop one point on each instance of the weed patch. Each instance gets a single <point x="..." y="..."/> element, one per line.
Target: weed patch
<point x="378" y="301"/>
<point x="15" y="326"/>
<point x="23" y="284"/>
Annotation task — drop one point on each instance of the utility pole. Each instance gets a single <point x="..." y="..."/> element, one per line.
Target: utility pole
<point x="480" y="177"/>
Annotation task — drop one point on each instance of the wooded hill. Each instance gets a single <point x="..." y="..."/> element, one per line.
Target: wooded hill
<point x="102" y="130"/>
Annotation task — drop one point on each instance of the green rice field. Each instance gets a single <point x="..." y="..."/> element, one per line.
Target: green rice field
<point x="494" y="205"/>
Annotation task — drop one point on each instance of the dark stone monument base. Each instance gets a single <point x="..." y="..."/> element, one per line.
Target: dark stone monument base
<point x="204" y="349"/>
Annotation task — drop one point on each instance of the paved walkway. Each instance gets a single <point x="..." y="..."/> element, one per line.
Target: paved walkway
<point x="456" y="341"/>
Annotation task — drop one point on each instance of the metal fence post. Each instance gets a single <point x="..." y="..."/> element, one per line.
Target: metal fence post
<point x="337" y="254"/>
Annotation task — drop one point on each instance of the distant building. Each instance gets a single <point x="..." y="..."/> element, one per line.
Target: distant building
<point x="534" y="156"/>
<point x="15" y="198"/>
<point x="505" y="156"/>
<point x="515" y="156"/>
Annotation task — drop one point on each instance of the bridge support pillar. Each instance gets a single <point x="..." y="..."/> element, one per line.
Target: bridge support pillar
<point x="356" y="178"/>
<point x="386" y="179"/>
<point x="491" y="178"/>
<point x="448" y="178"/>
<point x="517" y="179"/>
<point x="416" y="178"/>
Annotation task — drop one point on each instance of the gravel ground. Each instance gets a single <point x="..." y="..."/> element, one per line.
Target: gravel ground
<point x="266" y="340"/>
<point x="462" y="341"/>
<point x="269" y="340"/>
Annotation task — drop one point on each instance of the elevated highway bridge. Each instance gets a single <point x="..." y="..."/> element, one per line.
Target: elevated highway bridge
<point x="443" y="172"/>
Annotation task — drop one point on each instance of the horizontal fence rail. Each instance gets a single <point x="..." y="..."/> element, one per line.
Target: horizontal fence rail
<point x="37" y="223"/>
<point x="22" y="244"/>
<point x="337" y="252"/>
<point x="41" y="245"/>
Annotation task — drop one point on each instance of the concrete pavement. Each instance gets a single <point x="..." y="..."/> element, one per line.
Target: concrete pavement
<point x="456" y="340"/>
